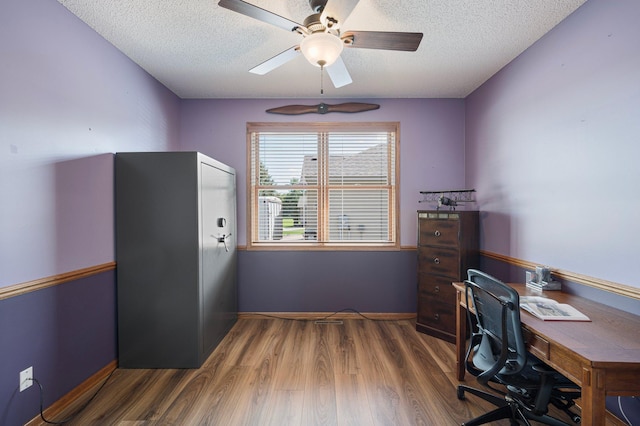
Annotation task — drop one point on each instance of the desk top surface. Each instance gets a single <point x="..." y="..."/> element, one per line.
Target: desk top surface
<point x="611" y="337"/>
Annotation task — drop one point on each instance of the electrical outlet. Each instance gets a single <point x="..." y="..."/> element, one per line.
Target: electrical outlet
<point x="26" y="378"/>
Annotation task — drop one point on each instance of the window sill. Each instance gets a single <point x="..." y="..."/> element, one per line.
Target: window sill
<point x="324" y="247"/>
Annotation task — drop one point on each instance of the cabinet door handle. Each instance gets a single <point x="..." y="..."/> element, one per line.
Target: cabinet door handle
<point x="223" y="239"/>
<point x="437" y="233"/>
<point x="436" y="261"/>
<point x="437" y="289"/>
<point x="436" y="316"/>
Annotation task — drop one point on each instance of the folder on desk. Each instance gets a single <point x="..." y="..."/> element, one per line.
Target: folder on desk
<point x="549" y="310"/>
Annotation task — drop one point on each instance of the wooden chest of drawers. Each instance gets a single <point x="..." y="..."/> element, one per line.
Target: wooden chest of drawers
<point x="447" y="247"/>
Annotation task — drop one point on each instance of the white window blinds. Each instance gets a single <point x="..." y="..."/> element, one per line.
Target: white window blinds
<point x="329" y="184"/>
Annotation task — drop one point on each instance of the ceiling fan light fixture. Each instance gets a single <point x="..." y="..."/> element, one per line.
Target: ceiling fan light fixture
<point x="321" y="48"/>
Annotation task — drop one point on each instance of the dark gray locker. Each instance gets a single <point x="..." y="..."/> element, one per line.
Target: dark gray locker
<point x="176" y="257"/>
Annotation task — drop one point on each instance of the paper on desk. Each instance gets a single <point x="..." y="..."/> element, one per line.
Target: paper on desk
<point x="550" y="310"/>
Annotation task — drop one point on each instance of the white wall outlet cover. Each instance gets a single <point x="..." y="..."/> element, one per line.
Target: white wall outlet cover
<point x="26" y="378"/>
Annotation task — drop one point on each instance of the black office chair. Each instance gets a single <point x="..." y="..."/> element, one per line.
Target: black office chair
<point x="497" y="355"/>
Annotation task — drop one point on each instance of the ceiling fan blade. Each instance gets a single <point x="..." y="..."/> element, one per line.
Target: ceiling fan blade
<point x="339" y="74"/>
<point x="258" y="13"/>
<point x="338" y="11"/>
<point x="295" y="109"/>
<point x="383" y="40"/>
<point x="349" y="107"/>
<point x="278" y="60"/>
<point x="352" y="107"/>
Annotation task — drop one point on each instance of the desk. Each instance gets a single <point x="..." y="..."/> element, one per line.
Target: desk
<point x="602" y="355"/>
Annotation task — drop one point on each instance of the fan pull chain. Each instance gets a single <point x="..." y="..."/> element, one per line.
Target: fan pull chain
<point x="321" y="63"/>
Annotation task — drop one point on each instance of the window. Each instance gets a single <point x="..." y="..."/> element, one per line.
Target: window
<point x="322" y="184"/>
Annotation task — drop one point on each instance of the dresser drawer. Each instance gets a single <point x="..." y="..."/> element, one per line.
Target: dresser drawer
<point x="436" y="313"/>
<point x="437" y="286"/>
<point x="439" y="232"/>
<point x="439" y="260"/>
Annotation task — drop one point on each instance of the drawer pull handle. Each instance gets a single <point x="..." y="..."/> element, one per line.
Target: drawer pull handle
<point x="436" y="316"/>
<point x="437" y="289"/>
<point x="436" y="261"/>
<point x="437" y="233"/>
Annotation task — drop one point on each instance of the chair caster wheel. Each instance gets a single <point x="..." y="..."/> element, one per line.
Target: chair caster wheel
<point x="461" y="394"/>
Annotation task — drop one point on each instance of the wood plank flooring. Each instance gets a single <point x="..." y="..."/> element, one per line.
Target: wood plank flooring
<point x="292" y="372"/>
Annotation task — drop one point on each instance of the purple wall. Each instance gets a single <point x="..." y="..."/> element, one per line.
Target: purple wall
<point x="68" y="100"/>
<point x="66" y="332"/>
<point x="552" y="147"/>
<point x="431" y="142"/>
<point x="67" y="97"/>
<point x="431" y="157"/>
<point x="327" y="281"/>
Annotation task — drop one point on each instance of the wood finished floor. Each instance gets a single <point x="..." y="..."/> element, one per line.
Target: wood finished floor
<point x="288" y="372"/>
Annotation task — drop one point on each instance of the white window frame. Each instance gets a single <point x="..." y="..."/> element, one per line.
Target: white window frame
<point x="390" y="188"/>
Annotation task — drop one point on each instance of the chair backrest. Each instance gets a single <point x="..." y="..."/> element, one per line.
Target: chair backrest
<point x="497" y="348"/>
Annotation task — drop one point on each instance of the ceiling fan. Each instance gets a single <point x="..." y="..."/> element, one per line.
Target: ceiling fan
<point x="323" y="41"/>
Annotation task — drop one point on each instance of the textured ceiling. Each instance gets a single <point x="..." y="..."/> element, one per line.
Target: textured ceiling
<point x="200" y="50"/>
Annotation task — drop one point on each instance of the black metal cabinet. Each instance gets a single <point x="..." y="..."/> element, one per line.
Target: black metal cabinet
<point x="176" y="257"/>
<point x="447" y="247"/>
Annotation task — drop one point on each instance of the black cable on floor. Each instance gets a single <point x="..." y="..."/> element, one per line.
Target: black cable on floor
<point x="355" y="311"/>
<point x="68" y="419"/>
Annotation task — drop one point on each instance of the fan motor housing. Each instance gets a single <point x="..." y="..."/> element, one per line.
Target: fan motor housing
<point x="313" y="24"/>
